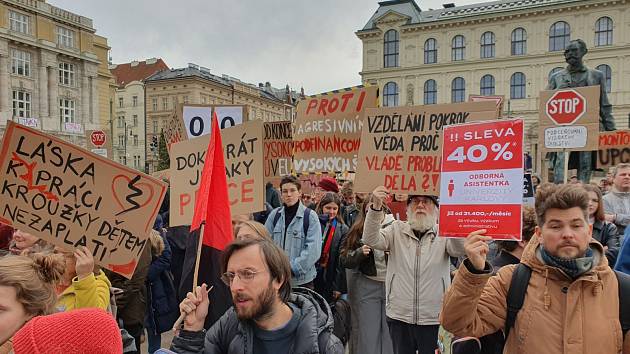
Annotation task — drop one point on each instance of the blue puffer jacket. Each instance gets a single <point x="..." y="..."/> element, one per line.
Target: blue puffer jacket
<point x="623" y="259"/>
<point x="303" y="250"/>
<point x="162" y="307"/>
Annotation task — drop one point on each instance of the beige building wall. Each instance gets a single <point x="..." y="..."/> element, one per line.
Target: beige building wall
<point x="65" y="69"/>
<point x="128" y="126"/>
<point x="162" y="96"/>
<point x="536" y="17"/>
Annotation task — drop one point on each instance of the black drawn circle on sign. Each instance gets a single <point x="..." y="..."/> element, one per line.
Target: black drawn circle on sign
<point x="225" y="119"/>
<point x="191" y="126"/>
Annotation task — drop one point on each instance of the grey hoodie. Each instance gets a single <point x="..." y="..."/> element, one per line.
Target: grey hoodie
<point x="618" y="203"/>
<point x="229" y="335"/>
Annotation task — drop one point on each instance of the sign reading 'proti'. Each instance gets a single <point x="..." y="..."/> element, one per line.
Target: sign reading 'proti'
<point x="565" y="107"/>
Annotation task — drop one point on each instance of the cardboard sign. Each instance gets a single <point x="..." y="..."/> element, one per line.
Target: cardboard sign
<point x="243" y="152"/>
<point x="399" y="210"/>
<point x="482" y="179"/>
<point x="569" y="119"/>
<point x="498" y="100"/>
<point x="528" y="190"/>
<point x="278" y="151"/>
<point x="614" y="148"/>
<point x="197" y="118"/>
<point x="400" y="146"/>
<point x="70" y="197"/>
<point x="174" y="131"/>
<point x="327" y="131"/>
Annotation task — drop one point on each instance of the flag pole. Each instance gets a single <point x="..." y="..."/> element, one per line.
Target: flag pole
<point x="180" y="319"/>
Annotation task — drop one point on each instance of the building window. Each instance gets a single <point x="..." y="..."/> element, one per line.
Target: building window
<point x="20" y="22"/>
<point x="519" y="41"/>
<point x="164" y="103"/>
<point x="458" y="90"/>
<point x="487" y="85"/>
<point x="155" y="126"/>
<point x="154" y="104"/>
<point x="430" y="92"/>
<point x="185" y="99"/>
<point x="121" y="140"/>
<point x="204" y="100"/>
<point x="121" y="102"/>
<point x="605" y="69"/>
<point x="66" y="110"/>
<point x="136" y="161"/>
<point x="121" y="122"/>
<point x="21" y="104"/>
<point x="517" y="86"/>
<point x="135" y="140"/>
<point x="487" y="45"/>
<point x="122" y="160"/>
<point x="554" y="70"/>
<point x="20" y="62"/>
<point x="390" y="50"/>
<point x="66" y="74"/>
<point x="135" y="120"/>
<point x="430" y="51"/>
<point x="390" y="94"/>
<point x="459" y="48"/>
<point x="559" y="36"/>
<point x="135" y="101"/>
<point x="65" y="37"/>
<point x="603" y="31"/>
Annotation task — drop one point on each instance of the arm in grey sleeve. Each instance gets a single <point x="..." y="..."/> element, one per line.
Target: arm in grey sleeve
<point x="373" y="235"/>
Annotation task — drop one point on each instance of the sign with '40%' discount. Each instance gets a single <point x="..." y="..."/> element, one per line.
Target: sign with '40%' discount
<point x="481" y="183"/>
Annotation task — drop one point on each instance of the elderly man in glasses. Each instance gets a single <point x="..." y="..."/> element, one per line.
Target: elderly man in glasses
<point x="267" y="317"/>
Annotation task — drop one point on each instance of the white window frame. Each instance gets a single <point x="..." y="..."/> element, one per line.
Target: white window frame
<point x="155" y="126"/>
<point x="67" y="110"/>
<point x="154" y="104"/>
<point x="164" y="103"/>
<point x="134" y="101"/>
<point x="66" y="73"/>
<point x="21" y="104"/>
<point x="20" y="61"/>
<point x="19" y="22"/>
<point x="135" y="120"/>
<point x="65" y="37"/>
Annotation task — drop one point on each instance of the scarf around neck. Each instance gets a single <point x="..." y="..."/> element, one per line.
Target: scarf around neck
<point x="572" y="267"/>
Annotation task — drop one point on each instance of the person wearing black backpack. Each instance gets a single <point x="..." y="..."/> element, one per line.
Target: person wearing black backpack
<point x="562" y="298"/>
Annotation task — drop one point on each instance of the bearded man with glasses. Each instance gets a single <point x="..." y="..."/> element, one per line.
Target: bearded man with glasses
<point x="267" y="317"/>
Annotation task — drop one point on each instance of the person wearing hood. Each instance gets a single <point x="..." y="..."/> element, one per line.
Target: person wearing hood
<point x="331" y="280"/>
<point x="617" y="202"/>
<point x="267" y="317"/>
<point x="418" y="269"/>
<point x="572" y="297"/>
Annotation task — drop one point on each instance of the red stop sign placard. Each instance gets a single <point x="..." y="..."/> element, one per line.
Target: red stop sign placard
<point x="98" y="138"/>
<point x="565" y="107"/>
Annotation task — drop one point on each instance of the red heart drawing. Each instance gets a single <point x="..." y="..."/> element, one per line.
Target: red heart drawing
<point x="128" y="179"/>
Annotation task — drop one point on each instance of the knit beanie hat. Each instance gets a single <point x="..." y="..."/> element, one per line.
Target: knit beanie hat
<point x="89" y="331"/>
<point x="329" y="184"/>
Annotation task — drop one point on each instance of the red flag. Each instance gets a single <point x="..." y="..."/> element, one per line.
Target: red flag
<point x="213" y="205"/>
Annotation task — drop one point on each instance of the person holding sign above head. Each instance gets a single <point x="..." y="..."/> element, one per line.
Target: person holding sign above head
<point x="418" y="269"/>
<point x="268" y="317"/>
<point x="83" y="285"/>
<point x="295" y="228"/>
<point x="563" y="297"/>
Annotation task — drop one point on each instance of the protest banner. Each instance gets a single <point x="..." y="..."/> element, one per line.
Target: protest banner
<point x="243" y="151"/>
<point x="327" y="130"/>
<point x="498" y="100"/>
<point x="569" y="119"/>
<point x="71" y="197"/>
<point x="400" y="146"/>
<point x="399" y="210"/>
<point x="174" y="130"/>
<point x="482" y="179"/>
<point x="614" y="148"/>
<point x="278" y="151"/>
<point x="196" y="118"/>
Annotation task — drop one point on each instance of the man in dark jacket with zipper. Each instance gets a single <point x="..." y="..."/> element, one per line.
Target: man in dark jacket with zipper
<point x="267" y="317"/>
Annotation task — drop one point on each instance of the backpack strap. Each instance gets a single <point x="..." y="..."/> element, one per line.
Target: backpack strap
<point x="624" y="306"/>
<point x="516" y="295"/>
<point x="306" y="221"/>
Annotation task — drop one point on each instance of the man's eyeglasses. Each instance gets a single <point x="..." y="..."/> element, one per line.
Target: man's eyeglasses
<point x="245" y="275"/>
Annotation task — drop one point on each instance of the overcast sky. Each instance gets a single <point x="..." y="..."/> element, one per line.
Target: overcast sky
<point x="309" y="43"/>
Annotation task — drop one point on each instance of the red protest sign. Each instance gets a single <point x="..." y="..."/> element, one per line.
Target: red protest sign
<point x="565" y="107"/>
<point x="481" y="183"/>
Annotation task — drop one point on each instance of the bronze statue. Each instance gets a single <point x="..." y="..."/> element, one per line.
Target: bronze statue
<point x="577" y="74"/>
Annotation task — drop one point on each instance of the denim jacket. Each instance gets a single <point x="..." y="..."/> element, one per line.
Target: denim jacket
<point x="303" y="250"/>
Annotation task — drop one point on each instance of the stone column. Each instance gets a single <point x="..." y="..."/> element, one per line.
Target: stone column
<point x="43" y="94"/>
<point x="85" y="100"/>
<point x="53" y="102"/>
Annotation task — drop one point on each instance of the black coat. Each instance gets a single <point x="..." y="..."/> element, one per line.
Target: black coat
<point x="333" y="277"/>
<point x="606" y="233"/>
<point x="229" y="335"/>
<point x="162" y="306"/>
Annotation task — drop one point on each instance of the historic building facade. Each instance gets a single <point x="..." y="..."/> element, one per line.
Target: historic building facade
<point x="53" y="70"/>
<point x="196" y="85"/>
<point x="128" y="125"/>
<point x="507" y="47"/>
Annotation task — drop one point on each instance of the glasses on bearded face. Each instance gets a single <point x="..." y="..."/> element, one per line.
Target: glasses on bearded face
<point x="424" y="201"/>
<point x="245" y="275"/>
